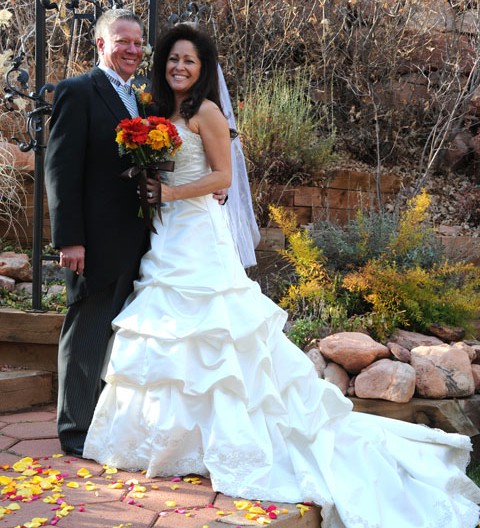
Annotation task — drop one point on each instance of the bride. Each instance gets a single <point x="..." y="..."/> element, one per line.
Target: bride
<point x="203" y="380"/>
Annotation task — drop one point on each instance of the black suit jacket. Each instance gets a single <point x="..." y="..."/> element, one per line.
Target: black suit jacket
<point x="89" y="204"/>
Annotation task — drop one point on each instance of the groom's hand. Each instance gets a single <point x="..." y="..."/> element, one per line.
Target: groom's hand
<point x="221" y="196"/>
<point x="73" y="257"/>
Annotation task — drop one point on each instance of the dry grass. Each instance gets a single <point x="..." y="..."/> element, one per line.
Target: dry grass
<point x="12" y="196"/>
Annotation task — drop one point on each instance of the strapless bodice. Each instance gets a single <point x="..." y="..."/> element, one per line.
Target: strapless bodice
<point x="190" y="160"/>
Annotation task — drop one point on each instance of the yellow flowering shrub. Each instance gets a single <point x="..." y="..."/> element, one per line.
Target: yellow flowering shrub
<point x="405" y="284"/>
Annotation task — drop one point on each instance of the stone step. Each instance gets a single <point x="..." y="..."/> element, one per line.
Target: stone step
<point x="20" y="389"/>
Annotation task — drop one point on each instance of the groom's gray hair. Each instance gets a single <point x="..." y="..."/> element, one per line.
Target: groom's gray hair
<point x="104" y="22"/>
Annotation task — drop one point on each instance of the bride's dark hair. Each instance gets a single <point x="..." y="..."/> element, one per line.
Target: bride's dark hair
<point x="206" y="86"/>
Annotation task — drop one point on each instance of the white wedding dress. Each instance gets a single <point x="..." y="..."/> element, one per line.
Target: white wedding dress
<point x="203" y="380"/>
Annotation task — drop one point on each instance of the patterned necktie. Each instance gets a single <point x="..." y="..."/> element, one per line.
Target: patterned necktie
<point x="126" y="94"/>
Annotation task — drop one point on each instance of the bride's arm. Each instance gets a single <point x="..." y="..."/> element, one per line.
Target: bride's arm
<point x="212" y="126"/>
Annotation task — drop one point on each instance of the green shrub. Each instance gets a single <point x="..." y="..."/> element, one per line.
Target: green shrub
<point x="407" y="238"/>
<point x="279" y="130"/>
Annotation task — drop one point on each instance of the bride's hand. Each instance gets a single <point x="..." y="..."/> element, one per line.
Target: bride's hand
<point x="168" y="193"/>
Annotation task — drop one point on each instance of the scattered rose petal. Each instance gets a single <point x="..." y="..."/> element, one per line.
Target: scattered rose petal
<point x="116" y="485"/>
<point x="84" y="473"/>
<point x="242" y="504"/>
<point x="303" y="508"/>
<point x="263" y="520"/>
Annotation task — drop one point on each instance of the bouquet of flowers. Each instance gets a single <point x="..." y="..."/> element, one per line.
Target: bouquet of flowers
<point x="149" y="142"/>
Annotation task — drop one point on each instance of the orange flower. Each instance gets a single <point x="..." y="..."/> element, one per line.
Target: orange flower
<point x="144" y="98"/>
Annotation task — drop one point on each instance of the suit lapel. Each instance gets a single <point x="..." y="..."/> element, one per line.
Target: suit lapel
<point x="108" y="94"/>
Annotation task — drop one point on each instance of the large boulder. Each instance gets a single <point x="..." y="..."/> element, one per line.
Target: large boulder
<point x="7" y="283"/>
<point x="352" y="350"/>
<point x="442" y="371"/>
<point x="411" y="340"/>
<point x="476" y="377"/>
<point x="318" y="360"/>
<point x="386" y="380"/>
<point x="399" y="352"/>
<point x="338" y="376"/>
<point x="16" y="266"/>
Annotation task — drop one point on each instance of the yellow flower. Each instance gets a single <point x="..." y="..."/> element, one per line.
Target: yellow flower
<point x="158" y="138"/>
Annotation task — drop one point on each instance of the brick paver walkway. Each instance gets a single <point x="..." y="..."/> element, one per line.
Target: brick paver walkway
<point x="86" y="495"/>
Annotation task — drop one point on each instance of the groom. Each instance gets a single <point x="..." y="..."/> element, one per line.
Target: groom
<point x="94" y="215"/>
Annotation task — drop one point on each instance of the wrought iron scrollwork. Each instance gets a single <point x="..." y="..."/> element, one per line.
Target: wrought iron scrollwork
<point x="19" y="88"/>
<point x="17" y="78"/>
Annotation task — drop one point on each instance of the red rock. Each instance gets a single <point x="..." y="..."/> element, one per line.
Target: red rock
<point x="16" y="266"/>
<point x="352" y="350"/>
<point x="442" y="371"/>
<point x="338" y="376"/>
<point x="386" y="380"/>
<point x="411" y="340"/>
<point x="399" y="352"/>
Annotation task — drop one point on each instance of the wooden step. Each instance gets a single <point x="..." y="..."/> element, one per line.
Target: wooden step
<point x="20" y="389"/>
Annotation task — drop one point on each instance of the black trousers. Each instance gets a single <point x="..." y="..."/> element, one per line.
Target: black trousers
<point x="81" y="354"/>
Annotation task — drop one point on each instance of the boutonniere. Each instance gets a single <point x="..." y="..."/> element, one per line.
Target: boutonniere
<point x="144" y="99"/>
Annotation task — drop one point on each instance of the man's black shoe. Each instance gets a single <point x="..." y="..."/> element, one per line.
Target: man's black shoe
<point x="75" y="451"/>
